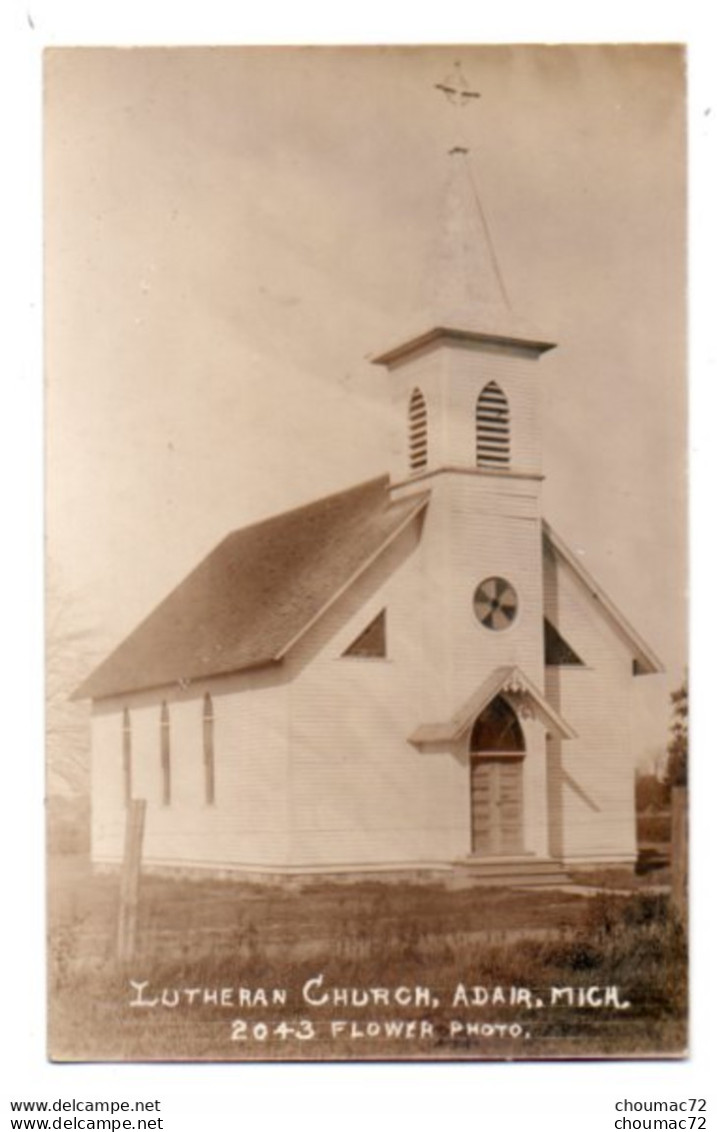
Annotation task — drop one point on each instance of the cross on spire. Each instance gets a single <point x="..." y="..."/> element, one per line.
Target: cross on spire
<point x="455" y="87"/>
<point x="467" y="240"/>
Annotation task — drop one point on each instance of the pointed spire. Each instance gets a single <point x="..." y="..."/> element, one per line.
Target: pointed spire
<point x="467" y="285"/>
<point x="465" y="268"/>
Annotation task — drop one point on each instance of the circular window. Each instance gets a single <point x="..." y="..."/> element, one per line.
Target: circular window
<point x="495" y="603"/>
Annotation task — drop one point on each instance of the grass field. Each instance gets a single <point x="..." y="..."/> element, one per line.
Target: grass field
<point x="225" y="966"/>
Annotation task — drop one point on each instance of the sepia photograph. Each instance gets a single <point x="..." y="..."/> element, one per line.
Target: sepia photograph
<point x="366" y="553"/>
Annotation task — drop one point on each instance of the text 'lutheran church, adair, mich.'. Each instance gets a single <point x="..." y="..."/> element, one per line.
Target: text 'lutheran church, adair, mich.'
<point x="414" y="674"/>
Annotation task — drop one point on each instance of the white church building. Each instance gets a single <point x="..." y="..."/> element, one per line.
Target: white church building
<point x="414" y="674"/>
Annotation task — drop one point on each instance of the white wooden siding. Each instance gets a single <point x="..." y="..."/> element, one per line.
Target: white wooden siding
<point x="361" y="793"/>
<point x="591" y="777"/>
<point x="248" y="820"/>
<point x="313" y="766"/>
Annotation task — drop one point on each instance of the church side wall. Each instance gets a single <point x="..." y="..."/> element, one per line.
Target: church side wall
<point x="246" y="823"/>
<point x="591" y="778"/>
<point x="361" y="793"/>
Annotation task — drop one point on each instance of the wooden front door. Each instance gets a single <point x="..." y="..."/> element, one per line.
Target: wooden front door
<point x="496" y="804"/>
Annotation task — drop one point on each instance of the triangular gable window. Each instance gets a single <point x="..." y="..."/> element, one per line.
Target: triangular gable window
<point x="557" y="649"/>
<point x="372" y="640"/>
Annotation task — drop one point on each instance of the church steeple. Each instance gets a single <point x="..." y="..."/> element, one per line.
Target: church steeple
<point x="468" y="297"/>
<point x="462" y="379"/>
<point x="469" y="291"/>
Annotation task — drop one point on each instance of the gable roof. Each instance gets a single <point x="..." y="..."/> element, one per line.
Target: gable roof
<point x="257" y="592"/>
<point x="507" y="678"/>
<point x="646" y="661"/>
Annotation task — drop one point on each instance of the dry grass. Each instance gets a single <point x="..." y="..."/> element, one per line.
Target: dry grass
<point x="225" y="934"/>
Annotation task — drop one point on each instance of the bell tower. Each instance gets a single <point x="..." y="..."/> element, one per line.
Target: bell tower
<point x="465" y="395"/>
<point x="464" y="385"/>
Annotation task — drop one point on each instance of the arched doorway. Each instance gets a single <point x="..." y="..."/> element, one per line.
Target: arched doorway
<point x="497" y="753"/>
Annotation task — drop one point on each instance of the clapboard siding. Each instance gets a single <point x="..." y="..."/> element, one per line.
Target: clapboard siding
<point x="361" y="793"/>
<point x="475" y="527"/>
<point x="313" y="767"/>
<point x="467" y="374"/>
<point x="494" y="531"/>
<point x="248" y="819"/>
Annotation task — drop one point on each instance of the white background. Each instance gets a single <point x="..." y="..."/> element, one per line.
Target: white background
<point x="552" y="1096"/>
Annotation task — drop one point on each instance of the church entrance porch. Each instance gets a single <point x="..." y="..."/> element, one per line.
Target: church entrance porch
<point x="499" y="798"/>
<point x="497" y="756"/>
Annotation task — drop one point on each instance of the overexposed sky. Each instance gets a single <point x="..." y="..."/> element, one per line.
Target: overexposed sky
<point x="231" y="233"/>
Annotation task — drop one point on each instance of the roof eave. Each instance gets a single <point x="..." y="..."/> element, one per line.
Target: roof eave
<point x="646" y="659"/>
<point x="421" y="341"/>
<point x="84" y="692"/>
<point x="88" y="689"/>
<point x="422" y="499"/>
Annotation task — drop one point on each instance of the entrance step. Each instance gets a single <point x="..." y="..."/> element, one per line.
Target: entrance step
<point x="519" y="871"/>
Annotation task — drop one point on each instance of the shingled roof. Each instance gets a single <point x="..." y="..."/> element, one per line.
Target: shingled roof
<point x="257" y="592"/>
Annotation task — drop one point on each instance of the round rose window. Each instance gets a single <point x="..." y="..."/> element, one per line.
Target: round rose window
<point x="495" y="603"/>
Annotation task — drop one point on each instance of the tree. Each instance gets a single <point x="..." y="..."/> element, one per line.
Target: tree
<point x="70" y="653"/>
<point x="677" y="747"/>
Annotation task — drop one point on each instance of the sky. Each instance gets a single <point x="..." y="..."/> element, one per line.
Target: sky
<point x="231" y="234"/>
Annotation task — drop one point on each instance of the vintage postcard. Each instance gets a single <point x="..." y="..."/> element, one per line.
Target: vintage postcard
<point x="366" y="660"/>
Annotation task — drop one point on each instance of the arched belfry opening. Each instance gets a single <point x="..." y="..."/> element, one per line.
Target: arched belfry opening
<point x="417" y="432"/>
<point x="497" y="755"/>
<point x="492" y="428"/>
<point x="208" y="745"/>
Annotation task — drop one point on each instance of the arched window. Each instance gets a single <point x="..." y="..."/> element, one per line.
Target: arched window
<point x="492" y="428"/>
<point x="497" y="729"/>
<point x="208" y="744"/>
<point x="417" y="432"/>
<point x="164" y="751"/>
<point x="126" y="757"/>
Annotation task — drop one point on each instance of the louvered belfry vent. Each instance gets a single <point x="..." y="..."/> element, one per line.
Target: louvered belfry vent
<point x="492" y="428"/>
<point x="417" y="432"/>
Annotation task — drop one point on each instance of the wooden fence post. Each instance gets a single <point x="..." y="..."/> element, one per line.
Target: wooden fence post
<point x="129" y="880"/>
<point x="679" y="840"/>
